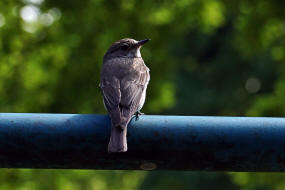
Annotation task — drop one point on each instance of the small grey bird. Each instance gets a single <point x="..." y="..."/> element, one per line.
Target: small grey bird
<point x="124" y="79"/>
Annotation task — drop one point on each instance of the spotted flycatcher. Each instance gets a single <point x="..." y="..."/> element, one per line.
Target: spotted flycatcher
<point x="124" y="79"/>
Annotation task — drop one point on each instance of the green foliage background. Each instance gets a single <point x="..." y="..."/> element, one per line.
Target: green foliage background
<point x="207" y="57"/>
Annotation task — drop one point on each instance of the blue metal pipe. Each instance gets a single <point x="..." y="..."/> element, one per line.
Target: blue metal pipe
<point x="155" y="142"/>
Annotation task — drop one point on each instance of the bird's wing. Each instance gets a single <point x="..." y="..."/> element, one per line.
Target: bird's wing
<point x="132" y="92"/>
<point x="110" y="84"/>
<point x="112" y="97"/>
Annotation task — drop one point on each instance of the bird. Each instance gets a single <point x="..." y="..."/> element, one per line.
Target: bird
<point x="123" y="82"/>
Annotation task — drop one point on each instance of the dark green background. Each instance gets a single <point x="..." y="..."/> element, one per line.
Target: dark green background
<point x="207" y="57"/>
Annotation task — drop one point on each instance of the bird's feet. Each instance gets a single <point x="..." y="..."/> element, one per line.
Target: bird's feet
<point x="138" y="114"/>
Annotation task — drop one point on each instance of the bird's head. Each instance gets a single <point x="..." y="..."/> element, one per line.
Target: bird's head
<point x="127" y="47"/>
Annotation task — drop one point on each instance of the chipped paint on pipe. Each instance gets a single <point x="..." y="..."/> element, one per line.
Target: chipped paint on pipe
<point x="155" y="143"/>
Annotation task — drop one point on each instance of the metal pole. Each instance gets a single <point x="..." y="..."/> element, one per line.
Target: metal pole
<point x="154" y="142"/>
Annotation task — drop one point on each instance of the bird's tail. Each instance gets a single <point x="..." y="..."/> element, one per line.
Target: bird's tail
<point x="118" y="139"/>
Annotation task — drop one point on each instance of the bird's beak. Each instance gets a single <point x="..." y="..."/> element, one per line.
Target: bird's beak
<point x="141" y="42"/>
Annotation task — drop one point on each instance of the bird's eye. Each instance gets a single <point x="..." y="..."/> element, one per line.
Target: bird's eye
<point x="124" y="47"/>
